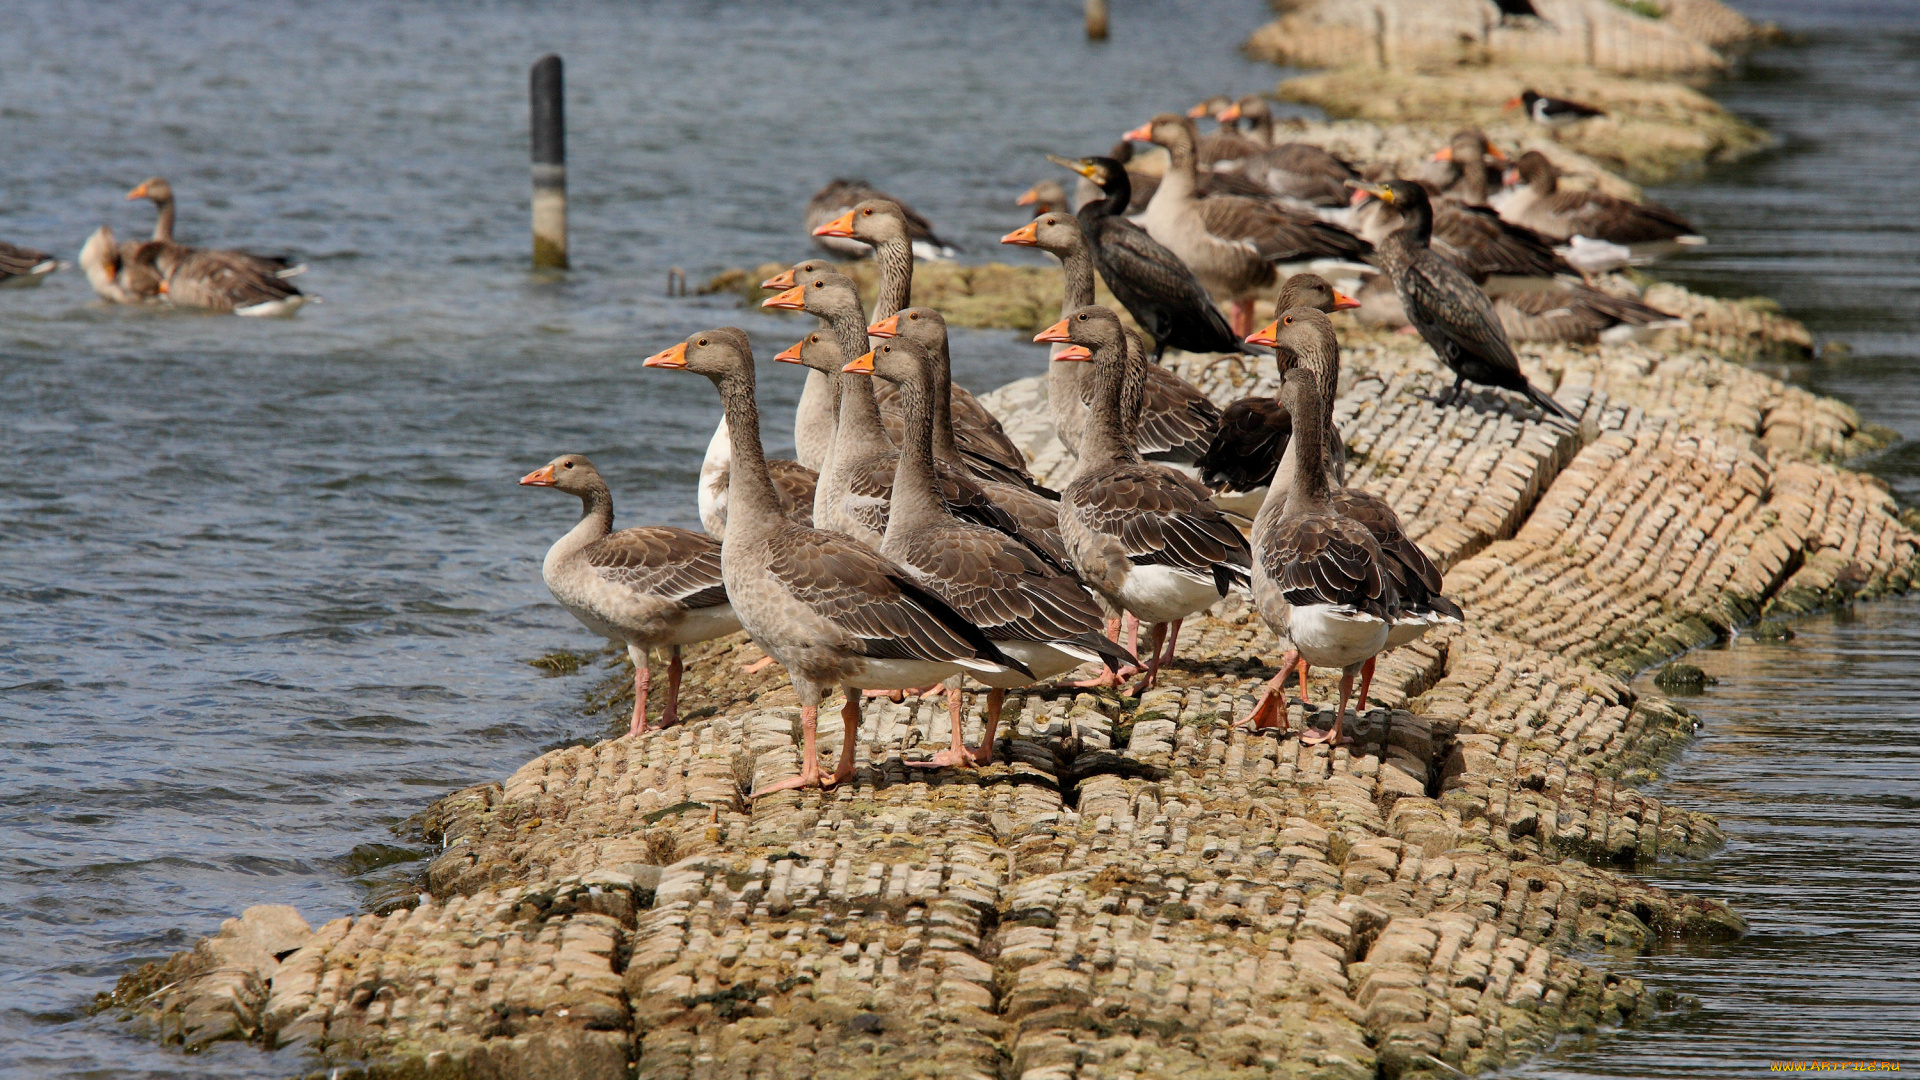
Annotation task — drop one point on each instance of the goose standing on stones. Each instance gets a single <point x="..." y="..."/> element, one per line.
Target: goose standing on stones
<point x="1318" y="578"/>
<point x="1140" y="534"/>
<point x="1157" y="289"/>
<point x="1176" y="421"/>
<point x="1290" y="170"/>
<point x="882" y="224"/>
<point x="840" y="196"/>
<point x="1243" y="460"/>
<point x="1232" y="243"/>
<point x="1034" y="612"/>
<point x="1540" y="205"/>
<point x="1452" y="313"/>
<point x="644" y="587"/>
<point x="24" y="266"/>
<point x="1303" y="338"/>
<point x="123" y="273"/>
<point x="832" y="611"/>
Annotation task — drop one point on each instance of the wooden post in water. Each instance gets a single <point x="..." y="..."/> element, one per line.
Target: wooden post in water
<point x="549" y="165"/>
<point x="1096" y="20"/>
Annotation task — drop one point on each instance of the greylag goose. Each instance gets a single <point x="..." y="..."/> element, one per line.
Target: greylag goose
<point x="1045" y="197"/>
<point x="234" y="281"/>
<point x="1290" y="170"/>
<point x="1232" y="243"/>
<point x="882" y="224"/>
<point x="1157" y="289"/>
<point x="1469" y="167"/>
<point x="813" y="421"/>
<point x="1226" y="144"/>
<point x="1176" y="420"/>
<point x="1552" y="111"/>
<point x="1540" y="205"/>
<point x="832" y="611"/>
<point x="644" y="587"/>
<point x="121" y="273"/>
<point x="1243" y="460"/>
<point x="1452" y="314"/>
<point x="24" y="266"/>
<point x="1319" y="579"/>
<point x="853" y="493"/>
<point x="1036" y="509"/>
<point x="840" y="196"/>
<point x="1140" y="534"/>
<point x="1033" y="611"/>
<point x="1302" y="337"/>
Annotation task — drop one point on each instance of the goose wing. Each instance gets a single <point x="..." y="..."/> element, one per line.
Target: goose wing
<point x="223" y="280"/>
<point x="1481" y="243"/>
<point x="659" y="560"/>
<point x="794" y="484"/>
<point x="1000" y="586"/>
<point x="1247" y="447"/>
<point x="1595" y="214"/>
<point x="15" y="261"/>
<point x="1159" y="520"/>
<point x="1327" y="559"/>
<point x="1276" y="233"/>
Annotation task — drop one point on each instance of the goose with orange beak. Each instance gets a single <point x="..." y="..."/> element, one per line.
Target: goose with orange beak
<point x="1141" y="535"/>
<point x="649" y="587"/>
<point x="830" y="610"/>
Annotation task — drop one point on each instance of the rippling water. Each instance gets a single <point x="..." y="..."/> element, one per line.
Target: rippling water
<point x="269" y="587"/>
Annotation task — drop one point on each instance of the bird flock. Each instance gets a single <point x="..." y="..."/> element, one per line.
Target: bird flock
<point x="909" y="547"/>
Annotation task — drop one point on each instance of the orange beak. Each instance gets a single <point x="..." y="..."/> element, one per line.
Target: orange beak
<point x="138" y="193"/>
<point x="790" y="354"/>
<point x="781" y="280"/>
<point x="888" y="327"/>
<point x="164" y="291"/>
<point x="1074" y="352"/>
<point x="1494" y="153"/>
<point x="840" y="226"/>
<point x="1360" y="195"/>
<point x="1197" y="111"/>
<point x="675" y="357"/>
<point x="1270" y="333"/>
<point x="792" y="300"/>
<point x="540" y="477"/>
<point x="1514" y="104"/>
<point x="1229" y="114"/>
<point x="1027" y="235"/>
<point x="1341" y="302"/>
<point x="1445" y="153"/>
<point x="1056" y="332"/>
<point x="1027" y="198"/>
<point x="1143" y="133"/>
<point x="860" y="365"/>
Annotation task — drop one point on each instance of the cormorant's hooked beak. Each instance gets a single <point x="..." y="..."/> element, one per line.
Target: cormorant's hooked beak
<point x="1269" y="334"/>
<point x="790" y="354"/>
<point x="840" y="226"/>
<point x="793" y="299"/>
<point x="1378" y="191"/>
<point x="542" y="476"/>
<point x="1341" y="302"/>
<point x="675" y="357"/>
<point x="1027" y="235"/>
<point x="1056" y="332"/>
<point x="1143" y="133"/>
<point x="860" y="365"/>
<point x="781" y="280"/>
<point x="1083" y="166"/>
<point x="888" y="327"/>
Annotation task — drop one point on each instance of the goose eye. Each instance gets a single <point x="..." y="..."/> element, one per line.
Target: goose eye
<point x="1288" y="320"/>
<point x="702" y="343"/>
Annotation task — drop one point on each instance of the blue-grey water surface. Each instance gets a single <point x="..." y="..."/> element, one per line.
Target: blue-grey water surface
<point x="269" y="588"/>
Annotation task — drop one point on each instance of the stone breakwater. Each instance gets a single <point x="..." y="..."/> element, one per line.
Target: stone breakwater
<point x="1138" y="888"/>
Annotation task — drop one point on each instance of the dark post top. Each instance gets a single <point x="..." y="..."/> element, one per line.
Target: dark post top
<point x="549" y="112"/>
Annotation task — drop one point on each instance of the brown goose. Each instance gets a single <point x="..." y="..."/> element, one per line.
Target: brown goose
<point x="840" y="196"/>
<point x="1291" y="170"/>
<point x="1044" y="197"/>
<point x="644" y="587"/>
<point x="1469" y="167"/>
<point x="1243" y="460"/>
<point x="24" y="266"/>
<point x="1140" y="534"/>
<point x="1228" y="143"/>
<point x="1319" y="579"/>
<point x="121" y="273"/>
<point x="1303" y="338"/>
<point x="234" y="281"/>
<point x="882" y="224"/>
<point x="853" y="494"/>
<point x="1176" y="420"/>
<point x="1540" y="205"/>
<point x="832" y="611"/>
<point x="1034" y="612"/>
<point x="1231" y="242"/>
<point x="818" y="410"/>
<point x="1036" y="509"/>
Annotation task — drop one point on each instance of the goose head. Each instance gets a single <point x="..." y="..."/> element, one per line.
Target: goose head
<point x="1170" y="130"/>
<point x="719" y="354"/>
<point x="923" y="326"/>
<point x="155" y="189"/>
<point x="871" y="221"/>
<point x="1311" y="291"/>
<point x="1057" y="232"/>
<point x="1090" y="331"/>
<point x="898" y="361"/>
<point x="785" y="279"/>
<point x="819" y="350"/>
<point x="571" y="473"/>
<point x="827" y="294"/>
